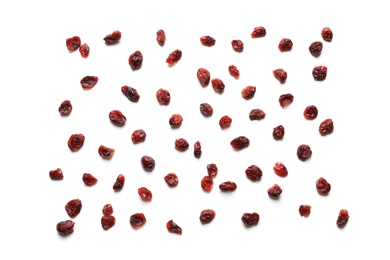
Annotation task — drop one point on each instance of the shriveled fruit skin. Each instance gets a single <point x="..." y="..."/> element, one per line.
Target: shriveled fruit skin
<point x="107" y="222"/>
<point x="343" y="218"/>
<point x="65" y="228"/>
<point x="206" y="216"/>
<point x="173" y="227"/>
<point x="240" y="143"/>
<point x="137" y="220"/>
<point x="250" y="219"/>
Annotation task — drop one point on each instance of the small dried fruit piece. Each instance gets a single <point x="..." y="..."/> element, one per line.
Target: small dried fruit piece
<point x="174" y="57"/>
<point x="248" y="92"/>
<point x="89" y="179"/>
<point x="206" y="109"/>
<point x="240" y="143"/>
<point x="285" y="100"/>
<point x="342" y="219"/>
<point x="327" y="34"/>
<point x="88" y="82"/>
<point x="304" y="210"/>
<point x="212" y="169"/>
<point x="73" y="43"/>
<point x="203" y="77"/>
<point x="258" y="32"/>
<point x="84" y="50"/>
<point x="65" y="108"/>
<point x="107" y="222"/>
<point x="147" y="163"/>
<point x="234" y="72"/>
<point x="322" y="186"/>
<point x="113" y="38"/>
<point x="250" y="219"/>
<point x="310" y="112"/>
<point x="171" y="179"/>
<point x="225" y="122"/>
<point x="175" y="120"/>
<point x="137" y="220"/>
<point x="163" y="96"/>
<point x="76" y="142"/>
<point x="138" y="136"/>
<point x="65" y="228"/>
<point x="174" y="228"/>
<point x="319" y="73"/>
<point x="228" y="186"/>
<point x="280" y="75"/>
<point x="278" y="132"/>
<point x="117" y="118"/>
<point x="206" y="216"/>
<point x="315" y="48"/>
<point x="285" y="44"/>
<point x="256" y="114"/>
<point x="207" y="183"/>
<point x="238" y="45"/>
<point x="105" y="152"/>
<point x="160" y="37"/>
<point x="73" y="207"/>
<point x="326" y="127"/>
<point x="107" y="210"/>
<point x="253" y="173"/>
<point x="197" y="149"/>
<point x="120" y="181"/>
<point x="135" y="60"/>
<point x="218" y="85"/>
<point x="145" y="194"/>
<point x="56" y="174"/>
<point x="207" y="41"/>
<point x="274" y="191"/>
<point x="304" y="152"/>
<point x="130" y="93"/>
<point x="280" y="169"/>
<point x="181" y="144"/>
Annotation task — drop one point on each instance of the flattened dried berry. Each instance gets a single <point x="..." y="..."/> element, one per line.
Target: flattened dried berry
<point x="174" y="57"/>
<point x="206" y="216"/>
<point x="173" y="227"/>
<point x="250" y="219"/>
<point x="117" y="118"/>
<point x="285" y="100"/>
<point x="175" y="120"/>
<point x="138" y="136"/>
<point x="203" y="77"/>
<point x="319" y="73"/>
<point x="234" y="72"/>
<point x="171" y="179"/>
<point x="280" y="169"/>
<point x="73" y="207"/>
<point x="228" y="186"/>
<point x="342" y="219"/>
<point x="258" y="32"/>
<point x="207" y="183"/>
<point x="106" y="152"/>
<point x="206" y="109"/>
<point x="84" y="50"/>
<point x="218" y="85"/>
<point x="89" y="179"/>
<point x="197" y="149"/>
<point x="107" y="210"/>
<point x="113" y="38"/>
<point x="76" y="142"/>
<point x="327" y="34"/>
<point x="281" y="75"/>
<point x="56" y="174"/>
<point x="145" y="194"/>
<point x="326" y="127"/>
<point x="254" y="173"/>
<point x="212" y="169"/>
<point x="256" y="114"/>
<point x="119" y="183"/>
<point x="65" y="108"/>
<point x="88" y="82"/>
<point x="163" y="96"/>
<point x="310" y="112"/>
<point x="278" y="132"/>
<point x="161" y="37"/>
<point x="315" y="48"/>
<point x="274" y="191"/>
<point x="130" y="93"/>
<point x="137" y="220"/>
<point x="285" y="44"/>
<point x="304" y="152"/>
<point x="238" y="45"/>
<point x="207" y="41"/>
<point x="248" y="92"/>
<point x="107" y="222"/>
<point x="240" y="143"/>
<point x="135" y="60"/>
<point x="225" y="122"/>
<point x="181" y="144"/>
<point x="323" y="187"/>
<point x="304" y="210"/>
<point x="65" y="228"/>
<point x="148" y="163"/>
<point x="73" y="43"/>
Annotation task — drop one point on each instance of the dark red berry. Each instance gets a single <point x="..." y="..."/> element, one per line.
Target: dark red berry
<point x="256" y="114"/>
<point x="117" y="118"/>
<point x="197" y="149"/>
<point x="135" y="60"/>
<point x="174" y="228"/>
<point x="65" y="108"/>
<point x="206" y="109"/>
<point x="175" y="120"/>
<point x="174" y="57"/>
<point x="315" y="48"/>
<point x="181" y="144"/>
<point x="240" y="143"/>
<point x="56" y="174"/>
<point x="212" y="169"/>
<point x="278" y="132"/>
<point x="280" y="75"/>
<point x="145" y="194"/>
<point x="65" y="228"/>
<point x="225" y="122"/>
<point x="107" y="222"/>
<point x="304" y="152"/>
<point x="228" y="186"/>
<point x="304" y="210"/>
<point x="248" y="92"/>
<point x="207" y="183"/>
<point x="207" y="41"/>
<point x="137" y="220"/>
<point x="171" y="179"/>
<point x="310" y="112"/>
<point x="160" y="37"/>
<point x="285" y="100"/>
<point x="88" y="82"/>
<point x="147" y="163"/>
<point x="285" y="44"/>
<point x="342" y="219"/>
<point x="89" y="179"/>
<point x="107" y="210"/>
<point x="319" y="73"/>
<point x="327" y="34"/>
<point x="76" y="142"/>
<point x="73" y="207"/>
<point x="130" y="93"/>
<point x="280" y="169"/>
<point x="138" y="136"/>
<point x="203" y="77"/>
<point x="105" y="152"/>
<point x="258" y="32"/>
<point x="218" y="85"/>
<point x="234" y="72"/>
<point x="84" y="50"/>
<point x="73" y="43"/>
<point x="274" y="191"/>
<point x="163" y="96"/>
<point x="113" y="38"/>
<point x="250" y="219"/>
<point x="326" y="127"/>
<point x="253" y="173"/>
<point x="322" y="186"/>
<point x="238" y="45"/>
<point x="118" y="184"/>
<point x="206" y="216"/>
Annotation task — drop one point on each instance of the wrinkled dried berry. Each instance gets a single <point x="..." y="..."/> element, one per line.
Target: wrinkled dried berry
<point x="135" y="60"/>
<point x="175" y="120"/>
<point x="280" y="75"/>
<point x="319" y="73"/>
<point x="207" y="183"/>
<point x="256" y="114"/>
<point x="160" y="37"/>
<point x="117" y="118"/>
<point x="138" y="136"/>
<point x="218" y="85"/>
<point x="65" y="228"/>
<point x="137" y="220"/>
<point x="174" y="57"/>
<point x="258" y="32"/>
<point x="197" y="149"/>
<point x="56" y="174"/>
<point x="274" y="191"/>
<point x="130" y="93"/>
<point x="73" y="43"/>
<point x="73" y="207"/>
<point x="206" y="109"/>
<point x="145" y="194"/>
<point x="228" y="186"/>
<point x="65" y="108"/>
<point x="248" y="92"/>
<point x="105" y="152"/>
<point x="225" y="122"/>
<point x="250" y="219"/>
<point x="327" y="34"/>
<point x="326" y="127"/>
<point x="240" y="143"/>
<point x="107" y="210"/>
<point x="278" y="132"/>
<point x="119" y="183"/>
<point x="89" y="179"/>
<point x="315" y="48"/>
<point x="107" y="222"/>
<point x="181" y="144"/>
<point x="207" y="41"/>
<point x="163" y="96"/>
<point x="238" y="45"/>
<point x="84" y="50"/>
<point x="234" y="72"/>
<point x="171" y="179"/>
<point x="88" y="82"/>
<point x="285" y="100"/>
<point x="206" y="216"/>
<point x="203" y="77"/>
<point x="342" y="219"/>
<point x="285" y="44"/>
<point x="310" y="112"/>
<point x="253" y="173"/>
<point x="304" y="210"/>
<point x="76" y="142"/>
<point x="212" y="169"/>
<point x="113" y="38"/>
<point x="280" y="169"/>
<point x="174" y="228"/>
<point x="147" y="163"/>
<point x="304" y="152"/>
<point x="322" y="186"/>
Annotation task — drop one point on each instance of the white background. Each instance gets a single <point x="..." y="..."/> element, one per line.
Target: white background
<point x="38" y="73"/>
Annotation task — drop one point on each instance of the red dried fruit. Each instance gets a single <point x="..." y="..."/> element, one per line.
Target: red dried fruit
<point x="171" y="179"/>
<point x="322" y="186"/>
<point x="65" y="108"/>
<point x="107" y="210"/>
<point x="280" y="169"/>
<point x="212" y="169"/>
<point x="327" y="34"/>
<point x="145" y="194"/>
<point x="107" y="222"/>
<point x="258" y="32"/>
<point x="218" y="85"/>
<point x="274" y="191"/>
<point x="117" y="118"/>
<point x="160" y="37"/>
<point x="240" y="143"/>
<point x="203" y="77"/>
<point x="137" y="220"/>
<point x="76" y="142"/>
<point x="238" y="45"/>
<point x="256" y="114"/>
<point x="73" y="207"/>
<point x="105" y="152"/>
<point x="207" y="41"/>
<point x="163" y="96"/>
<point x="56" y="174"/>
<point x="310" y="112"/>
<point x="88" y="82"/>
<point x="315" y="48"/>
<point x="342" y="219"/>
<point x="135" y="60"/>
<point x="174" y="57"/>
<point x="181" y="144"/>
<point x="234" y="72"/>
<point x="304" y="210"/>
<point x="84" y="50"/>
<point x="285" y="100"/>
<point x="278" y="132"/>
<point x="73" y="43"/>
<point x="138" y="136"/>
<point x="197" y="149"/>
<point x="113" y="38"/>
<point x="280" y="75"/>
<point x="65" y="228"/>
<point x="207" y="183"/>
<point x="250" y="219"/>
<point x="89" y="179"/>
<point x="175" y="120"/>
<point x="228" y="186"/>
<point x="130" y="93"/>
<point x="206" y="109"/>
<point x="254" y="173"/>
<point x="285" y="44"/>
<point x="174" y="228"/>
<point x="206" y="216"/>
<point x="119" y="183"/>
<point x="225" y="122"/>
<point x="147" y="163"/>
<point x="304" y="152"/>
<point x="248" y="92"/>
<point x="319" y="73"/>
<point x="326" y="127"/>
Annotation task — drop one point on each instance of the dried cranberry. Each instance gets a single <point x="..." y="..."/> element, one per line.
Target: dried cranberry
<point x="304" y="210"/>
<point x="88" y="82"/>
<point x="138" y="136"/>
<point x="253" y="173"/>
<point x="130" y="93"/>
<point x="76" y="142"/>
<point x="197" y="149"/>
<point x="135" y="60"/>
<point x="105" y="152"/>
<point x="228" y="186"/>
<point x="56" y="174"/>
<point x="65" y="228"/>
<point x="248" y="92"/>
<point x="285" y="44"/>
<point x="274" y="191"/>
<point x="174" y="57"/>
<point x="117" y="118"/>
<point x="163" y="96"/>
<point x="171" y="179"/>
<point x="160" y="37"/>
<point x="304" y="152"/>
<point x="327" y="34"/>
<point x="174" y="228"/>
<point x="65" y="108"/>
<point x="113" y="38"/>
<point x="322" y="186"/>
<point x="107" y="222"/>
<point x="285" y="100"/>
<point x="181" y="144"/>
<point x="175" y="120"/>
<point x="234" y="72"/>
<point x="315" y="48"/>
<point x="137" y="220"/>
<point x="218" y="85"/>
<point x="238" y="45"/>
<point x="319" y="73"/>
<point x="280" y="75"/>
<point x="280" y="169"/>
<point x="278" y="132"/>
<point x="207" y="41"/>
<point x="145" y="194"/>
<point x="107" y="210"/>
<point x="256" y="114"/>
<point x="118" y="184"/>
<point x="342" y="219"/>
<point x="84" y="50"/>
<point x="89" y="179"/>
<point x="225" y="122"/>
<point x="147" y="163"/>
<point x="326" y="127"/>
<point x="73" y="207"/>
<point x="258" y="32"/>
<point x="207" y="183"/>
<point x="212" y="169"/>
<point x="240" y="143"/>
<point x="73" y="43"/>
<point x="250" y="219"/>
<point x="206" y="109"/>
<point x="206" y="216"/>
<point x="203" y="77"/>
<point x="310" y="112"/>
